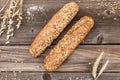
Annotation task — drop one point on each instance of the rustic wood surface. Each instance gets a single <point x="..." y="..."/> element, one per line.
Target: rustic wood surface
<point x="105" y="36"/>
<point x="38" y="12"/>
<point x="55" y="76"/>
<point x="81" y="60"/>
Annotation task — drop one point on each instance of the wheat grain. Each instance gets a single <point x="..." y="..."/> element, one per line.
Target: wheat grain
<point x="4" y="6"/>
<point x="19" y="21"/>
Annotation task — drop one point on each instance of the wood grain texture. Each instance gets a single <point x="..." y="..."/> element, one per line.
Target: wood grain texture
<point x="55" y="76"/>
<point x="17" y="58"/>
<point x="38" y="12"/>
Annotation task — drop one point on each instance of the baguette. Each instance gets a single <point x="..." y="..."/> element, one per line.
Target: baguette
<point x="68" y="43"/>
<point x="54" y="27"/>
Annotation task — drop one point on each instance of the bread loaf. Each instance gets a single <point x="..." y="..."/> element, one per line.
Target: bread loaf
<point x="53" y="28"/>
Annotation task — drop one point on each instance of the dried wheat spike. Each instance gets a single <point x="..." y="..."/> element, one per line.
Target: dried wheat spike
<point x="13" y="10"/>
<point x="10" y="21"/>
<point x="3" y="26"/>
<point x="19" y="21"/>
<point x="20" y="18"/>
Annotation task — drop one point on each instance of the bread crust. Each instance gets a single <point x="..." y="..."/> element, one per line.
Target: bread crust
<point x="53" y="28"/>
<point x="68" y="43"/>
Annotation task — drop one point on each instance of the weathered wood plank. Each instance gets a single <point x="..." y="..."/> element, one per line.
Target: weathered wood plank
<point x="55" y="76"/>
<point x="17" y="58"/>
<point x="38" y="12"/>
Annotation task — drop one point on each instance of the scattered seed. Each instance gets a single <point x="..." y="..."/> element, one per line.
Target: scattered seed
<point x="115" y="19"/>
<point x="98" y="14"/>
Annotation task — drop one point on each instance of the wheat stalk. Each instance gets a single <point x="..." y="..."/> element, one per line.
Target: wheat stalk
<point x="8" y="19"/>
<point x="102" y="69"/>
<point x="20" y="15"/>
<point x="10" y="22"/>
<point x="3" y="26"/>
<point x="96" y="64"/>
<point x="4" y="6"/>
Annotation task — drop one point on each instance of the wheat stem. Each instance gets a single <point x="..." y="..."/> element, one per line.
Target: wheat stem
<point x="96" y="64"/>
<point x="102" y="69"/>
<point x="4" y="6"/>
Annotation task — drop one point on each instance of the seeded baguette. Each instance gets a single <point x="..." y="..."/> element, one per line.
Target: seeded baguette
<point x="54" y="27"/>
<point x="68" y="43"/>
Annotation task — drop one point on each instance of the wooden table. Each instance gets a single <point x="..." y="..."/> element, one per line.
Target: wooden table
<point x="17" y="64"/>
